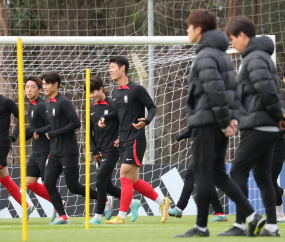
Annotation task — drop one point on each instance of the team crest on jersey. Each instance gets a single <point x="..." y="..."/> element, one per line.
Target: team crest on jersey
<point x="105" y="112"/>
<point x="32" y="114"/>
<point x="126" y="99"/>
<point x="53" y="112"/>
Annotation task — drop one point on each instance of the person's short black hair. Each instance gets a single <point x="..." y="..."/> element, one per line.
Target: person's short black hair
<point x="51" y="77"/>
<point x="283" y="72"/>
<point x="120" y="61"/>
<point x="241" y="24"/>
<point x="204" y="19"/>
<point x="35" y="79"/>
<point x="95" y="84"/>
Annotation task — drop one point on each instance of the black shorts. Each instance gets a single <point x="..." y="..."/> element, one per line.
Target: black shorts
<point x="36" y="166"/>
<point x="132" y="152"/>
<point x="3" y="156"/>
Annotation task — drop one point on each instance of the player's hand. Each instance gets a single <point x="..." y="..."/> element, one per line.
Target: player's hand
<point x="36" y="136"/>
<point x="229" y="132"/>
<point x="101" y="123"/>
<point x="98" y="157"/>
<point x="234" y="124"/>
<point x="282" y="123"/>
<point x="47" y="136"/>
<point x="12" y="139"/>
<point x="116" y="143"/>
<point x="140" y="125"/>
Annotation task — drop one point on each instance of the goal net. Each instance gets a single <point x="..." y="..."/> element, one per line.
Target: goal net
<point x="163" y="72"/>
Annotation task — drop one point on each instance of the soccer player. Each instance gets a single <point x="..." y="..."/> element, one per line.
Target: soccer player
<point x="130" y="100"/>
<point x="189" y="187"/>
<point x="6" y="108"/>
<point x="104" y="146"/>
<point x="277" y="163"/>
<point x="261" y="112"/>
<point x="213" y="113"/>
<point x="63" y="156"/>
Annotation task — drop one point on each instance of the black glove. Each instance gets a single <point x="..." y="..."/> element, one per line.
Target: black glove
<point x="185" y="135"/>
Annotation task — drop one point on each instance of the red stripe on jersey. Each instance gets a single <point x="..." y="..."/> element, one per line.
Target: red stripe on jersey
<point x="135" y="153"/>
<point x="52" y="100"/>
<point x="33" y="103"/>
<point x="124" y="87"/>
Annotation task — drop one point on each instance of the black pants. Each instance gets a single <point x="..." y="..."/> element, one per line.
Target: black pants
<point x="188" y="189"/>
<point x="69" y="165"/>
<point x="103" y="180"/>
<point x="209" y="149"/>
<point x="255" y="152"/>
<point x="277" y="163"/>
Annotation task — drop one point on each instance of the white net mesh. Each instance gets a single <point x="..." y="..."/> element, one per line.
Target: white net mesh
<point x="171" y="65"/>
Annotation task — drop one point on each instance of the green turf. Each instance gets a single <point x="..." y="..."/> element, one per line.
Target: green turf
<point x="144" y="229"/>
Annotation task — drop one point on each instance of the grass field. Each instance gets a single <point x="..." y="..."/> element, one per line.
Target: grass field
<point x="144" y="229"/>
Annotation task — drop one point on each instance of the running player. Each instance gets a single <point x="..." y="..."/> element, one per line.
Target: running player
<point x="188" y="188"/>
<point x="130" y="100"/>
<point x="7" y="106"/>
<point x="63" y="156"/>
<point x="104" y="146"/>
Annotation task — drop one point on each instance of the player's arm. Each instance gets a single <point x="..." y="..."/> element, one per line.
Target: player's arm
<point x="187" y="134"/>
<point x="108" y="117"/>
<point x="43" y="130"/>
<point x="74" y="122"/>
<point x="262" y="81"/>
<point x="215" y="89"/>
<point x="13" y="108"/>
<point x="146" y="100"/>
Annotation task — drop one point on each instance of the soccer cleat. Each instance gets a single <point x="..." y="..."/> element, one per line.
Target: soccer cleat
<point x="135" y="210"/>
<point x="255" y="226"/>
<point x="267" y="233"/>
<point x="195" y="232"/>
<point x="94" y="221"/>
<point x="116" y="220"/>
<point x="219" y="218"/>
<point x="59" y="220"/>
<point x="174" y="212"/>
<point x="30" y="209"/>
<point x="163" y="208"/>
<point x="234" y="231"/>
<point x="55" y="214"/>
<point x="109" y="207"/>
<point x="280" y="218"/>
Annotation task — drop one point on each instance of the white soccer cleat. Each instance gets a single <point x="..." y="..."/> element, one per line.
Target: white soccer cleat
<point x="55" y="214"/>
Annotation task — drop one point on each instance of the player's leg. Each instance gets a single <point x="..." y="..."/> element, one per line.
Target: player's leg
<point x="220" y="214"/>
<point x="187" y="190"/>
<point x="71" y="173"/>
<point x="277" y="163"/>
<point x="35" y="169"/>
<point x="262" y="176"/>
<point x="7" y="182"/>
<point x="52" y="172"/>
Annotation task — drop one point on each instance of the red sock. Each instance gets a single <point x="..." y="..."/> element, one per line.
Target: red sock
<point x="12" y="188"/>
<point x="64" y="216"/>
<point x="39" y="189"/>
<point x="145" y="189"/>
<point x="220" y="214"/>
<point x="126" y="194"/>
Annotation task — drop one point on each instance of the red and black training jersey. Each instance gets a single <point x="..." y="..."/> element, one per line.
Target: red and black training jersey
<point x="38" y="119"/>
<point x="102" y="139"/>
<point x="130" y="101"/>
<point x="7" y="106"/>
<point x="63" y="121"/>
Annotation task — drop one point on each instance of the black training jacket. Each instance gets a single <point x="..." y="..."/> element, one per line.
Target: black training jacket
<point x="63" y="121"/>
<point x="130" y="101"/>
<point x="213" y="95"/>
<point x="258" y="83"/>
<point x="102" y="139"/>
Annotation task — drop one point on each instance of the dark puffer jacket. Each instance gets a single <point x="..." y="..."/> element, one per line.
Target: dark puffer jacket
<point x="261" y="100"/>
<point x="213" y="95"/>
